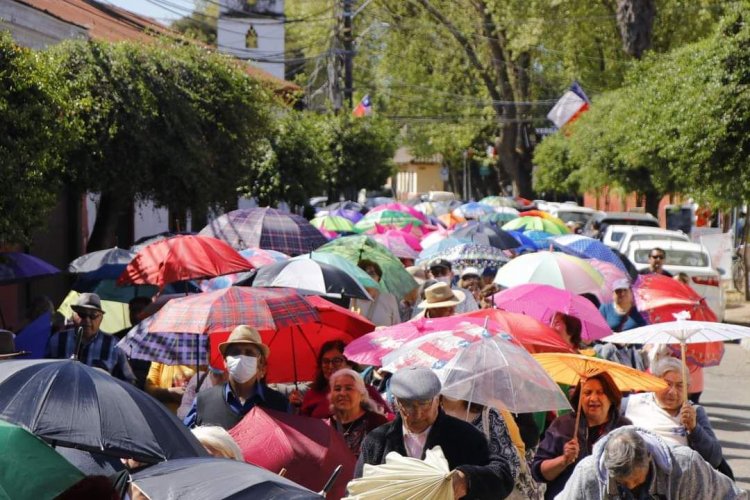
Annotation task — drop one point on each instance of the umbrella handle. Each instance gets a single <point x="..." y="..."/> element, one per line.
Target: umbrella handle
<point x="578" y="410"/>
<point x="683" y="355"/>
<point x="329" y="484"/>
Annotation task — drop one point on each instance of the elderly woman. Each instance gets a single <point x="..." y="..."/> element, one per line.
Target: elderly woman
<point x="667" y="414"/>
<point x="354" y="415"/>
<point x="559" y="452"/>
<point x="315" y="401"/>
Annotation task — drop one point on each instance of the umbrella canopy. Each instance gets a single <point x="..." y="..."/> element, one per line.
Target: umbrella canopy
<point x="532" y="223"/>
<point x="471" y="255"/>
<point x="170" y="348"/>
<point x="216" y="479"/>
<point x="501" y="216"/>
<point x="554" y="269"/>
<point x="486" y="234"/>
<point x="265" y="228"/>
<point x="611" y="273"/>
<point x="145" y="241"/>
<point x="396" y="245"/>
<point x="68" y="403"/>
<point x="255" y="256"/>
<point x="30" y="468"/>
<point x="434" y="237"/>
<point x="534" y="335"/>
<point x="587" y="248"/>
<point x="103" y="264"/>
<point x="400" y="207"/>
<point x="354" y="216"/>
<point x="498" y="202"/>
<point x="400" y="233"/>
<point x="345" y="205"/>
<point x="309" y="276"/>
<point x="473" y="210"/>
<point x="681" y="331"/>
<point x="182" y="258"/>
<point x="543" y="301"/>
<point x="443" y="245"/>
<point x="542" y="239"/>
<point x="660" y="297"/>
<point x="387" y="217"/>
<point x="334" y="223"/>
<point x="355" y="248"/>
<point x="222" y="310"/>
<point x="294" y="348"/>
<point x="571" y="368"/>
<point x="17" y="266"/>
<point x="450" y="219"/>
<point x="342" y="264"/>
<point x="308" y="448"/>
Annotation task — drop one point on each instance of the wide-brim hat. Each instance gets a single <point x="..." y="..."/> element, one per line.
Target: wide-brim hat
<point x="8" y="345"/>
<point x="441" y="295"/>
<point x="244" y="334"/>
<point x="88" y="302"/>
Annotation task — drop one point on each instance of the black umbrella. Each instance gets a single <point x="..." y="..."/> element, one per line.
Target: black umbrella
<point x="632" y="271"/>
<point x="216" y="478"/>
<point x="68" y="403"/>
<point x="310" y="276"/>
<point x="486" y="234"/>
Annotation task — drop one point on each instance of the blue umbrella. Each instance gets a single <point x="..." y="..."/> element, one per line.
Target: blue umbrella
<point x="353" y="215"/>
<point x="587" y="248"/>
<point x="527" y="244"/>
<point x="17" y="266"/>
<point x="430" y="252"/>
<point x="541" y="239"/>
<point x="473" y="210"/>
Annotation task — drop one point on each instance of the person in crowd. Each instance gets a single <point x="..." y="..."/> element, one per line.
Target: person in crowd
<point x="633" y="463"/>
<point x="559" y="452"/>
<point x="383" y="309"/>
<point x="200" y="382"/>
<point x="407" y="304"/>
<point x="218" y="442"/>
<point x="569" y="328"/>
<point x="676" y="421"/>
<point x="421" y="425"/>
<point x="354" y="415"/>
<point x="486" y="300"/>
<point x="136" y="307"/>
<point x="246" y="359"/>
<point x="622" y="314"/>
<point x="88" y="344"/>
<point x="488" y="276"/>
<point x="655" y="352"/>
<point x="440" y="301"/>
<point x="8" y="345"/>
<point x="315" y="402"/>
<point x="167" y="383"/>
<point x="656" y="258"/>
<point x="470" y="281"/>
<point x="442" y="270"/>
<point x="683" y="278"/>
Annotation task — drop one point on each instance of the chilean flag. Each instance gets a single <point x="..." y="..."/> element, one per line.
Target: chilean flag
<point x="364" y="107"/>
<point x="571" y="105"/>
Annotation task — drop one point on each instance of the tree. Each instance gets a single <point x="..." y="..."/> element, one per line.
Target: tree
<point x="176" y="124"/>
<point x="35" y="126"/>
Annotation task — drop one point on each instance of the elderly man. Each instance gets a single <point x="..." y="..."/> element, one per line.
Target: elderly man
<point x="246" y="359"/>
<point x="421" y="425"/>
<point x="656" y="259"/>
<point x="88" y="344"/>
<point x="440" y="301"/>
<point x="442" y="270"/>
<point x="633" y="463"/>
<point x="667" y="414"/>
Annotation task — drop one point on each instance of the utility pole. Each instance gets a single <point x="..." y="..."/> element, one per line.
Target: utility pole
<point x="348" y="43"/>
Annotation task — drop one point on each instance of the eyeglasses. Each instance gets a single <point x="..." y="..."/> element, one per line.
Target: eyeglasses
<point x="88" y="315"/>
<point x="657" y="256"/>
<point x="414" y="406"/>
<point x="337" y="361"/>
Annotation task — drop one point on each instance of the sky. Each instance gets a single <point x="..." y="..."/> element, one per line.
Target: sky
<point x="149" y="8"/>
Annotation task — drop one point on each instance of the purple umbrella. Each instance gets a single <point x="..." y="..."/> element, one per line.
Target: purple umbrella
<point x="17" y="266"/>
<point x="352" y="215"/>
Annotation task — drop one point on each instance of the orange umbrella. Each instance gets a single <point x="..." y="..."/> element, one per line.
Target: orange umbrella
<point x="450" y="220"/>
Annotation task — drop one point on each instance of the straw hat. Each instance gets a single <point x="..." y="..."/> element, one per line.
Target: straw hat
<point x="441" y="295"/>
<point x="244" y="334"/>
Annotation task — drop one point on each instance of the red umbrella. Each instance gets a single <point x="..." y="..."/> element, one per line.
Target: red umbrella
<point x="534" y="335"/>
<point x="180" y="258"/>
<point x="660" y="297"/>
<point x="295" y="347"/>
<point x="308" y="448"/>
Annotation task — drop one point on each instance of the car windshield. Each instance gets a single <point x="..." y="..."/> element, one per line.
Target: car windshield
<point x="648" y="237"/>
<point x="577" y="217"/>
<point x="675" y="258"/>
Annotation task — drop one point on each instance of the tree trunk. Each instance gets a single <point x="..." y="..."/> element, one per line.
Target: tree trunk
<point x="652" y="202"/>
<point x="635" y="19"/>
<point x="515" y="159"/>
<point x="104" y="234"/>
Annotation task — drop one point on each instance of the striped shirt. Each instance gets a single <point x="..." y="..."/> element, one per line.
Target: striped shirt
<point x="99" y="352"/>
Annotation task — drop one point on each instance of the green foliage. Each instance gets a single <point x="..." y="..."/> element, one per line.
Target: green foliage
<point x="34" y="129"/>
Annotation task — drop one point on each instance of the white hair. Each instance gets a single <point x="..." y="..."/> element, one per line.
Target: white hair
<point x="218" y="442"/>
<point x="666" y="364"/>
<point x="359" y="385"/>
<point x="625" y="452"/>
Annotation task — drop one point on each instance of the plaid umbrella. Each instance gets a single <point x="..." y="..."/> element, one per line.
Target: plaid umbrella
<point x="265" y="228"/>
<point x="533" y="223"/>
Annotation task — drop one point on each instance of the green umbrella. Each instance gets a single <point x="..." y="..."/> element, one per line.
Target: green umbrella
<point x="30" y="468"/>
<point x="386" y="218"/>
<point x="340" y="262"/>
<point x="531" y="223"/>
<point x="333" y="223"/>
<point x="355" y="248"/>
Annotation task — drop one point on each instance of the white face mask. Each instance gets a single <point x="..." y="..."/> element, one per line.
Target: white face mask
<point x="242" y="368"/>
<point x="445" y="279"/>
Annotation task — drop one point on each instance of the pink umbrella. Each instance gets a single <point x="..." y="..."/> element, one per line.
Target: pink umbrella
<point x="611" y="274"/>
<point x="435" y="237"/>
<point x="543" y="301"/>
<point x="397" y="246"/>
<point x="401" y="233"/>
<point x="400" y="207"/>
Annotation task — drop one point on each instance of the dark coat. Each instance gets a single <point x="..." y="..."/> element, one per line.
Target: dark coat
<point x="463" y="445"/>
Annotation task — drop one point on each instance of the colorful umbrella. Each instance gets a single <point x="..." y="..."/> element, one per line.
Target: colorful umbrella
<point x="400" y="207"/>
<point x="501" y="216"/>
<point x="308" y="448"/>
<point x="450" y="219"/>
<point x="473" y="210"/>
<point x="355" y="248"/>
<point x="396" y="245"/>
<point x="498" y="202"/>
<point x="207" y="478"/>
<point x="255" y="256"/>
<point x="534" y="335"/>
<point x="17" y="266"/>
<point x="611" y="273"/>
<point x="341" y="263"/>
<point x="265" y="228"/>
<point x="531" y="223"/>
<point x="543" y="301"/>
<point x="554" y="269"/>
<point x="68" y="403"/>
<point x="486" y="234"/>
<point x="472" y="255"/>
<point x="542" y="239"/>
<point x="400" y="233"/>
<point x="435" y="237"/>
<point x="102" y="264"/>
<point x="441" y="246"/>
<point x="182" y="258"/>
<point x="309" y="276"/>
<point x="387" y="218"/>
<point x="587" y="248"/>
<point x="30" y="468"/>
<point x="354" y="216"/>
<point x="333" y="223"/>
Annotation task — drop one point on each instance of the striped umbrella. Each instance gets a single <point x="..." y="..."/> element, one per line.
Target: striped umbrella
<point x="386" y="217"/>
<point x="333" y="223"/>
<point x="531" y="223"/>
<point x="400" y="207"/>
<point x="551" y="268"/>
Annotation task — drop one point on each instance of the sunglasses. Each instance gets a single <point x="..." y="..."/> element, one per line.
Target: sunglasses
<point x="660" y="257"/>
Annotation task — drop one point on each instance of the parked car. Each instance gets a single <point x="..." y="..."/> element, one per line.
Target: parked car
<point x="597" y="226"/>
<point x="625" y="235"/>
<point x="570" y="212"/>
<point x="685" y="257"/>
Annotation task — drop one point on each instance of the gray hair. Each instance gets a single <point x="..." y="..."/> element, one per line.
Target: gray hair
<point x="218" y="442"/>
<point x="359" y="385"/>
<point x="666" y="364"/>
<point x="625" y="452"/>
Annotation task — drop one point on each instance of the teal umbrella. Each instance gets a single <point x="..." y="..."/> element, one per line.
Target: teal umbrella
<point x="355" y="248"/>
<point x="30" y="468"/>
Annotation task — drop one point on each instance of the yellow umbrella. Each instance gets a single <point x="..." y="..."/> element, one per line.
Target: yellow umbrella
<point x="116" y="314"/>
<point x="574" y="368"/>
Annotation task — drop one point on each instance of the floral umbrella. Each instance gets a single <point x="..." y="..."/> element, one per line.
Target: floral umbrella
<point x="471" y="255"/>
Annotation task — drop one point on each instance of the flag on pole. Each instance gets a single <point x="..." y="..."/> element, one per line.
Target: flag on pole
<point x="571" y="105"/>
<point x="364" y="107"/>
